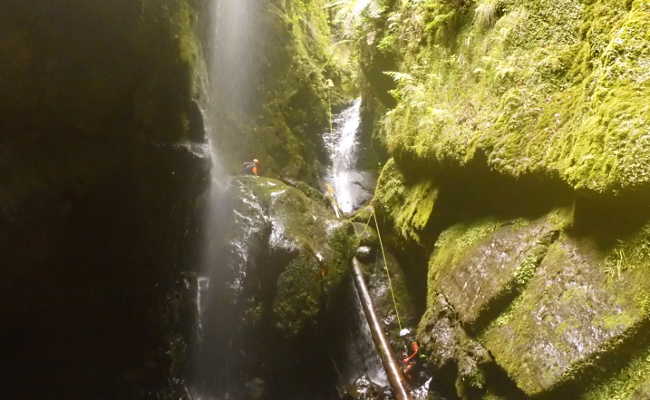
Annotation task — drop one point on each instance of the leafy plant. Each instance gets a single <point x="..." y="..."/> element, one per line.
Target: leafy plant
<point x="486" y="13"/>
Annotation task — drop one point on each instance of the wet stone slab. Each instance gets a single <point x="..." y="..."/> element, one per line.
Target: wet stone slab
<point x="490" y="273"/>
<point x="572" y="313"/>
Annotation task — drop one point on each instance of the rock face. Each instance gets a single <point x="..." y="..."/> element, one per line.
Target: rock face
<point x="286" y="260"/>
<point x="572" y="313"/>
<point x="96" y="209"/>
<point x="517" y="169"/>
<point x="463" y="262"/>
<point x="557" y="302"/>
<point x="458" y="360"/>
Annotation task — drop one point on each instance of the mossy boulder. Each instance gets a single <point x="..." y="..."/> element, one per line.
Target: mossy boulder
<point x="559" y="309"/>
<point x="458" y="360"/>
<point x="573" y="312"/>
<point x="307" y="249"/>
<point x="475" y="269"/>
<point x="272" y="293"/>
<point x="482" y="265"/>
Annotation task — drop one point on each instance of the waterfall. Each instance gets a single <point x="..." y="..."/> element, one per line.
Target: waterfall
<point x="229" y="89"/>
<point x="234" y="71"/>
<point x="352" y="187"/>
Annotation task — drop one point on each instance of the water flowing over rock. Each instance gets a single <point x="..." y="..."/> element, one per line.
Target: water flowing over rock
<point x="352" y="186"/>
<point x="285" y="260"/>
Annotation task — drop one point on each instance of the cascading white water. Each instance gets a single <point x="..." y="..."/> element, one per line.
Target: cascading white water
<point x="230" y="86"/>
<point x="230" y="68"/>
<point x="233" y="66"/>
<point x="351" y="186"/>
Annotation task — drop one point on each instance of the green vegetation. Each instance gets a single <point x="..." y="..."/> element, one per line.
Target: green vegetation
<point x="554" y="88"/>
<point x="628" y="255"/>
<point x="626" y="383"/>
<point x="312" y="254"/>
<point x="409" y="207"/>
<point x="298" y="59"/>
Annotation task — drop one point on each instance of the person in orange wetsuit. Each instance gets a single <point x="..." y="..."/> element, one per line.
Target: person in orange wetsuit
<point x="252" y="167"/>
<point x="409" y="361"/>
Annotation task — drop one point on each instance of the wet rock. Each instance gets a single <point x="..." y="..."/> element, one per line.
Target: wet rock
<point x="547" y="304"/>
<point x="364" y="254"/>
<point x="380" y="291"/>
<point x="571" y="314"/>
<point x="316" y="249"/>
<point x="364" y="389"/>
<point x="361" y="185"/>
<point x="285" y="259"/>
<point x="480" y="267"/>
<point x="454" y="357"/>
<point x="285" y="250"/>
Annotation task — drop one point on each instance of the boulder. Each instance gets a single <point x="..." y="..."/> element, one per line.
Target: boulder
<point x="572" y="313"/>
<point x="284" y="261"/>
<point x="553" y="305"/>
<point x="482" y="265"/>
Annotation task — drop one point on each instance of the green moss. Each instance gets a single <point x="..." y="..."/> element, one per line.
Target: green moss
<point x="298" y="297"/>
<point x="450" y="248"/>
<point x="511" y="87"/>
<point x="297" y="58"/>
<point x="305" y="287"/>
<point x="624" y="385"/>
<point x="628" y="254"/>
<point x="184" y="22"/>
<point x="408" y="205"/>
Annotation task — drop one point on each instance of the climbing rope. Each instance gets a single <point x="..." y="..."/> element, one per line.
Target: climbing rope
<point x="383" y="254"/>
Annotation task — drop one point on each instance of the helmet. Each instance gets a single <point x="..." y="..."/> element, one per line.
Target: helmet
<point x="256" y="161"/>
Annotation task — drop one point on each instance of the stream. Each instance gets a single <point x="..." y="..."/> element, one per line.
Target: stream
<point x="363" y="374"/>
<point x="352" y="187"/>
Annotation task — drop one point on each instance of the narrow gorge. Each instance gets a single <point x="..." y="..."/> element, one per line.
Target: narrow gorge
<point x="486" y="164"/>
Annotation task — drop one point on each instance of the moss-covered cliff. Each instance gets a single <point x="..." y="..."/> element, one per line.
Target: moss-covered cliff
<point x="556" y="89"/>
<point x="517" y="131"/>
